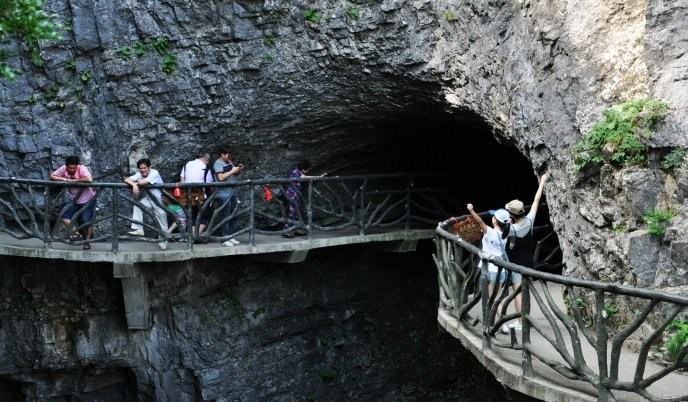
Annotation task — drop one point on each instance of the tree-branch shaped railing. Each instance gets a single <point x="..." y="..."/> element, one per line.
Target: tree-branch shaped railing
<point x="463" y="282"/>
<point x="33" y="209"/>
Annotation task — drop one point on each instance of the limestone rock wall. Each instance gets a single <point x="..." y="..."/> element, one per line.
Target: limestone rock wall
<point x="346" y="325"/>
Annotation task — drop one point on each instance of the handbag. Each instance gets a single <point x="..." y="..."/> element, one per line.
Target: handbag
<point x="198" y="196"/>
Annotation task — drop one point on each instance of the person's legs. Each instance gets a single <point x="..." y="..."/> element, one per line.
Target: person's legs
<point x="161" y="217"/>
<point x="86" y="218"/>
<point x="223" y="206"/>
<point x="137" y="217"/>
<point x="69" y="210"/>
<point x="231" y="209"/>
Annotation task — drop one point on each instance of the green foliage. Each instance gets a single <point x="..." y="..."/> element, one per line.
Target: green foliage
<point x="169" y="64"/>
<point x="353" y="12"/>
<point x="679" y="340"/>
<point x="619" y="229"/>
<point x="71" y="64"/>
<point x="449" y="16"/>
<point x="655" y="220"/>
<point x="610" y="308"/>
<point x="311" y="15"/>
<point x="27" y="20"/>
<point x="268" y="56"/>
<point x="161" y="45"/>
<point x="269" y="41"/>
<point x="124" y="51"/>
<point x="139" y="49"/>
<point x="617" y="138"/>
<point x="86" y="75"/>
<point x="674" y="159"/>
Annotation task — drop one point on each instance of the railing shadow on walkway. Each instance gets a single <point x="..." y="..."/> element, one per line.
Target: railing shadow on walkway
<point x="579" y="317"/>
<point x="32" y="209"/>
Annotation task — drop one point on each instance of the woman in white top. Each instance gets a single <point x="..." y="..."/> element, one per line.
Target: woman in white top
<point x="493" y="240"/>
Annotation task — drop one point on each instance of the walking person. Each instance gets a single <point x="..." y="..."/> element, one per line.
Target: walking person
<point x="226" y="198"/>
<point x="520" y="245"/>
<point x="143" y="177"/>
<point x="295" y="197"/>
<point x="82" y="199"/>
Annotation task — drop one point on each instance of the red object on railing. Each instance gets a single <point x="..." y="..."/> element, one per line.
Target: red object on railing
<point x="177" y="192"/>
<point x="268" y="193"/>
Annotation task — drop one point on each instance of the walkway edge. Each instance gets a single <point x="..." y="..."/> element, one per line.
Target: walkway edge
<point x="509" y="376"/>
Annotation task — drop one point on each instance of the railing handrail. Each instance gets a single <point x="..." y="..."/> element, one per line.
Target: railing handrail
<point x="329" y="203"/>
<point x="467" y="289"/>
<point x="561" y="279"/>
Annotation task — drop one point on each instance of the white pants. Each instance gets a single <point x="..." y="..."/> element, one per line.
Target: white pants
<point x="160" y="215"/>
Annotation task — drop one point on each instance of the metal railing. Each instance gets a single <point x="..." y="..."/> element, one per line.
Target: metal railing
<point x="463" y="282"/>
<point x="33" y="209"/>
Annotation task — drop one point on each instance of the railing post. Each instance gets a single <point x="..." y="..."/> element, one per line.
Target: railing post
<point x="409" y="189"/>
<point x="251" y="216"/>
<point x="485" y="302"/>
<point x="46" y="218"/>
<point x="361" y="210"/>
<point x="309" y="210"/>
<point x="115" y="214"/>
<point x="527" y="363"/>
<point x="602" y="335"/>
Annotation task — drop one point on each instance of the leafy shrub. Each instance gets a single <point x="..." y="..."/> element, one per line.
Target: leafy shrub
<point x="674" y="159"/>
<point x="679" y="339"/>
<point x="655" y="220"/>
<point x="617" y="138"/>
<point x="449" y="16"/>
<point x="311" y="15"/>
<point x="169" y="64"/>
<point x="353" y="12"/>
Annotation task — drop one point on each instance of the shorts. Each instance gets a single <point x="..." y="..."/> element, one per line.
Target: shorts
<point x="502" y="277"/>
<point x="86" y="216"/>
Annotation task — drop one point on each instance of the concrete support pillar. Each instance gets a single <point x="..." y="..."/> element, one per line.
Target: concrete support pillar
<point x="135" y="294"/>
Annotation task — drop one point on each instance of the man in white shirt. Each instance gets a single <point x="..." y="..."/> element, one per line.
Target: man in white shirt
<point x="198" y="171"/>
<point x="145" y="176"/>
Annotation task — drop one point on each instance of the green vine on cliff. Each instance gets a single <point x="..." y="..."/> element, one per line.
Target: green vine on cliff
<point x="618" y="139"/>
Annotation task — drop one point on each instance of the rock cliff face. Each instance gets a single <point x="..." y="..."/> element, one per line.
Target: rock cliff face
<point x="347" y="325"/>
<point x="351" y="86"/>
<point x="337" y="82"/>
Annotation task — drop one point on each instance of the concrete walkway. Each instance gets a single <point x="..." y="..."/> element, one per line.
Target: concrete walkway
<point x="547" y="384"/>
<point x="283" y="249"/>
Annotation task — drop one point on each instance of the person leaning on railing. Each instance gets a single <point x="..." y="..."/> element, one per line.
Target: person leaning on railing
<point x="81" y="197"/>
<point x="145" y="176"/>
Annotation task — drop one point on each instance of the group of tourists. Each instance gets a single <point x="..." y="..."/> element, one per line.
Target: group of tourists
<point x="82" y="199"/>
<point x="511" y="238"/>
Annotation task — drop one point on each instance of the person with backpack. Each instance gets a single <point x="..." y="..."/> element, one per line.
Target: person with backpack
<point x="198" y="171"/>
<point x="520" y="245"/>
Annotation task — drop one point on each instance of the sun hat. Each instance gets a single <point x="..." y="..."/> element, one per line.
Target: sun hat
<point x="502" y="215"/>
<point x="515" y="207"/>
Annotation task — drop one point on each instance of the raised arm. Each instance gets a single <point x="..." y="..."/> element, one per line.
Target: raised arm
<point x="477" y="218"/>
<point x="538" y="195"/>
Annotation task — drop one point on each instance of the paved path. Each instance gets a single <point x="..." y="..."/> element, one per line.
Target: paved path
<point x="132" y="251"/>
<point x="546" y="384"/>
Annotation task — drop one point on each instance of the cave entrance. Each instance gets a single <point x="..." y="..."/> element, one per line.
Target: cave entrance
<point x="464" y="151"/>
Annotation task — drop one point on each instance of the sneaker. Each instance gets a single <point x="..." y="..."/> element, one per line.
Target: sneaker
<point x="516" y="325"/>
<point x="228" y="243"/>
<point x="504" y="329"/>
<point x="163" y="245"/>
<point x="288" y="235"/>
<point x="301" y="233"/>
<point x="235" y="241"/>
<point x="136" y="233"/>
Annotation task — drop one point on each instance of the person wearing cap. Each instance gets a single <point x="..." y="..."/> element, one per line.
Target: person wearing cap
<point x="520" y="245"/>
<point x="493" y="241"/>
